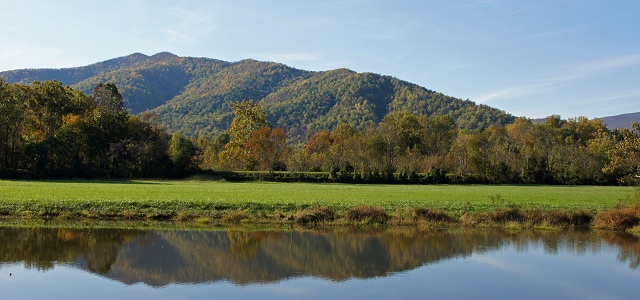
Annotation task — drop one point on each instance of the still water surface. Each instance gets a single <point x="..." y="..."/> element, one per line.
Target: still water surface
<point x="345" y="264"/>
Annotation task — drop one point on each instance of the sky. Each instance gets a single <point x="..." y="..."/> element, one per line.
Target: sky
<point x="530" y="58"/>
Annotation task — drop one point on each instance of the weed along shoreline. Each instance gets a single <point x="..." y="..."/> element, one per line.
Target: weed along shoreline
<point x="214" y="203"/>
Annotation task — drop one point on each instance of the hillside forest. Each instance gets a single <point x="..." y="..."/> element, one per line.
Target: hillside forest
<point x="193" y="96"/>
<point x="48" y="130"/>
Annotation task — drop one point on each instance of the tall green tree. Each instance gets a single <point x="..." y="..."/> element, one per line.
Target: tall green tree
<point x="459" y="157"/>
<point x="439" y="133"/>
<point x="317" y="148"/>
<point x="401" y="132"/>
<point x="108" y="120"/>
<point x="51" y="101"/>
<point x="109" y="113"/>
<point x="182" y="152"/>
<point x="267" y="148"/>
<point x="248" y="117"/>
<point x="548" y="141"/>
<point x="624" y="157"/>
<point x="521" y="138"/>
<point x="11" y="118"/>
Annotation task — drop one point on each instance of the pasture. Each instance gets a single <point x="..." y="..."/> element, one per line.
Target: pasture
<point x="113" y="198"/>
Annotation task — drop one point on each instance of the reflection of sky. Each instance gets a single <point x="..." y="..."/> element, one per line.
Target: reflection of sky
<point x="506" y="273"/>
<point x="562" y="274"/>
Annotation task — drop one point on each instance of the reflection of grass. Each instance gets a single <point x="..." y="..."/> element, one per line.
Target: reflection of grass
<point x="192" y="200"/>
<point x="635" y="230"/>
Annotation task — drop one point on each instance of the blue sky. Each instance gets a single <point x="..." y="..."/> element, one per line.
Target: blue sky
<point x="530" y="58"/>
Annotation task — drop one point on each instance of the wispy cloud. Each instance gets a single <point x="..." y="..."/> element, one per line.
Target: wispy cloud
<point x="608" y="64"/>
<point x="617" y="95"/>
<point x="564" y="76"/>
<point x="11" y="53"/>
<point x="560" y="32"/>
<point x="518" y="91"/>
<point x="190" y="24"/>
<point x="16" y="57"/>
<point x="536" y="275"/>
<point x="177" y="35"/>
<point x="501" y="264"/>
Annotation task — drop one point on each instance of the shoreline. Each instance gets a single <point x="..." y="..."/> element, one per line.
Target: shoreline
<point x="214" y="203"/>
<point x="506" y="218"/>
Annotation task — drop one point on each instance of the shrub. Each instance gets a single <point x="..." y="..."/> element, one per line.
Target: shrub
<point x="562" y="218"/>
<point x="236" y="216"/>
<point x="618" y="218"/>
<point x="159" y="216"/>
<point x="182" y="216"/>
<point x="512" y="214"/>
<point x="580" y="219"/>
<point x="367" y="214"/>
<point x="202" y="220"/>
<point x="316" y="215"/>
<point x="436" y="215"/>
<point x="469" y="220"/>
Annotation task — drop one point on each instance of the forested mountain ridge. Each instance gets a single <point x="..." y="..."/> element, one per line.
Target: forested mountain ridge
<point x="356" y="127"/>
<point x="193" y="95"/>
<point x="71" y="76"/>
<point x="620" y="121"/>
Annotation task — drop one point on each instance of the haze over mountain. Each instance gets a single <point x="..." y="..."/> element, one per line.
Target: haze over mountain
<point x="193" y="95"/>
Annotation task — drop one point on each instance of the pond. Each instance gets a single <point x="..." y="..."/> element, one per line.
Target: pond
<point x="66" y="263"/>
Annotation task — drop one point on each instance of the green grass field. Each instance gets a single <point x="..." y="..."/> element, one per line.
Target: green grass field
<point x="45" y="197"/>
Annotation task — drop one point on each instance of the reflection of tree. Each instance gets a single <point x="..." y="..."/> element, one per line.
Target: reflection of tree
<point x="243" y="257"/>
<point x="629" y="247"/>
<point x="41" y="248"/>
<point x="243" y="245"/>
<point x="248" y="257"/>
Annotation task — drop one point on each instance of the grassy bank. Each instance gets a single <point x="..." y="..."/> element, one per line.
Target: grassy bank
<point x="211" y="201"/>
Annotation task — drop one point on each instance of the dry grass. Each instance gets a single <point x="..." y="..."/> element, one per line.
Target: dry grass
<point x="367" y="214"/>
<point x="622" y="218"/>
<point x="529" y="218"/>
<point x="316" y="215"/>
<point x="559" y="218"/>
<point x="236" y="217"/>
<point x="433" y="215"/>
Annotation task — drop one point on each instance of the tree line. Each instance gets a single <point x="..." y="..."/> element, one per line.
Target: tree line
<point x="406" y="147"/>
<point x="49" y="130"/>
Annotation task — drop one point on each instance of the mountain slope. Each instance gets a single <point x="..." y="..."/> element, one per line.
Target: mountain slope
<point x="342" y="96"/>
<point x="620" y="121"/>
<point x="152" y="83"/>
<point x="193" y="95"/>
<point x="204" y="106"/>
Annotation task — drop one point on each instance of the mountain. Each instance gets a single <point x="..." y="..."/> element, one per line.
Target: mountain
<point x="70" y="76"/>
<point x="193" y="95"/>
<point x="621" y="121"/>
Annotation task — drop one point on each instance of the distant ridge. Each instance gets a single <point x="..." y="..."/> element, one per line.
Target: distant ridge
<point x="71" y="76"/>
<point x="621" y="121"/>
<point x="193" y="95"/>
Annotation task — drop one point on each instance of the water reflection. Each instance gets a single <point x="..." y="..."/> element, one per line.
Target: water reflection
<point x="158" y="258"/>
